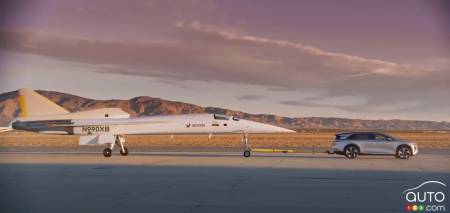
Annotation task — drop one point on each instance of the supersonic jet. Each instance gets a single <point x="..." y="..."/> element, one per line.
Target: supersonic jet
<point x="109" y="125"/>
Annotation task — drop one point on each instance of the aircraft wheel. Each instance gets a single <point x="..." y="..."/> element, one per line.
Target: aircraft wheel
<point x="247" y="153"/>
<point x="107" y="152"/>
<point x="124" y="153"/>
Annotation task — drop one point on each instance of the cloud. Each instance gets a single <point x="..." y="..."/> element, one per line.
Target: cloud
<point x="207" y="53"/>
<point x="355" y="104"/>
<point x="249" y="97"/>
<point x="396" y="107"/>
<point x="342" y="101"/>
<point x="330" y="58"/>
<point x="280" y="89"/>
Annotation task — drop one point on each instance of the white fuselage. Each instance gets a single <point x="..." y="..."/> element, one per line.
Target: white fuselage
<point x="167" y="124"/>
<point x="109" y="125"/>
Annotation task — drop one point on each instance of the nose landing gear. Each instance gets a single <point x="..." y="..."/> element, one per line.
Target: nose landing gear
<point x="247" y="148"/>
<point x="247" y="153"/>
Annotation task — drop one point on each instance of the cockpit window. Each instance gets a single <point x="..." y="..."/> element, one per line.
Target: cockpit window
<point x="221" y="117"/>
<point x="235" y="119"/>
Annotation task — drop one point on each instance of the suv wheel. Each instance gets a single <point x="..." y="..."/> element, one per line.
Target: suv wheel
<point x="403" y="152"/>
<point x="351" y="151"/>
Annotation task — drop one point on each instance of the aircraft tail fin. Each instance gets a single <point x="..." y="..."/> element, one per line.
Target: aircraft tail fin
<point x="33" y="104"/>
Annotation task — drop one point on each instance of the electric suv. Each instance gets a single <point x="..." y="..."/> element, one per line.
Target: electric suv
<point x="352" y="144"/>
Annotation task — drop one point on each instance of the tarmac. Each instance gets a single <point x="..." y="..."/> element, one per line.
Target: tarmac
<point x="216" y="181"/>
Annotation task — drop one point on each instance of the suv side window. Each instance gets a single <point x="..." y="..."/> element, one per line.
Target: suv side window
<point x="362" y="137"/>
<point x="380" y="137"/>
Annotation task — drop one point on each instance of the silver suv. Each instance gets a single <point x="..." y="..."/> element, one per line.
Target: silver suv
<point x="352" y="144"/>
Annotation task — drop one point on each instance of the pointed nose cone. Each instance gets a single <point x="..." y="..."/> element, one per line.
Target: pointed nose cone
<point x="280" y="129"/>
<point x="288" y="130"/>
<point x="266" y="128"/>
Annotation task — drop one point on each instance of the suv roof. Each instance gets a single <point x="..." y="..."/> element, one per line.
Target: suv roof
<point x="348" y="133"/>
<point x="345" y="135"/>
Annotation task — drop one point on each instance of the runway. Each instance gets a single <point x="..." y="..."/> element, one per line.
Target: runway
<point x="221" y="181"/>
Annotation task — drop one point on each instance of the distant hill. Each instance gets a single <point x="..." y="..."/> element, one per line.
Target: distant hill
<point x="144" y="106"/>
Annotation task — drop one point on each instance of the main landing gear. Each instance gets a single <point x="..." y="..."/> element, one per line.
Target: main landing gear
<point x="107" y="152"/>
<point x="247" y="148"/>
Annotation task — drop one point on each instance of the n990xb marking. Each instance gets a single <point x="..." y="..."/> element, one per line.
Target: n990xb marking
<point x="90" y="129"/>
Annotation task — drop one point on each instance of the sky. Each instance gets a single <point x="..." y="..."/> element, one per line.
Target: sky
<point x="386" y="59"/>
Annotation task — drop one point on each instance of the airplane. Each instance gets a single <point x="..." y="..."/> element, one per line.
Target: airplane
<point x="109" y="126"/>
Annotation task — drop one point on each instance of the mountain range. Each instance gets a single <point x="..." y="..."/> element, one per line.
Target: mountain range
<point x="147" y="106"/>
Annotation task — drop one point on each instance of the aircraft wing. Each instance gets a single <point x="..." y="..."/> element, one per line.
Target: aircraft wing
<point x="96" y="139"/>
<point x="5" y="129"/>
<point x="75" y="123"/>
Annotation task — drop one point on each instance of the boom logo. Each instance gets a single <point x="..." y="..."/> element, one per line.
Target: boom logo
<point x="194" y="125"/>
<point x="428" y="196"/>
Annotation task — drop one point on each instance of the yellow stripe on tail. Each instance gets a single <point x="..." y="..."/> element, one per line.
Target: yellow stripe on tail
<point x="23" y="106"/>
<point x="33" y="104"/>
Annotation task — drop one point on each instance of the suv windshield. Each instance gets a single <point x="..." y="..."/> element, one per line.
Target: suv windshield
<point x="341" y="136"/>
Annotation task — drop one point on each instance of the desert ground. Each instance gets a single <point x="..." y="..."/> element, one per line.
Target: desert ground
<point x="50" y="173"/>
<point x="219" y="182"/>
<point x="301" y="139"/>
